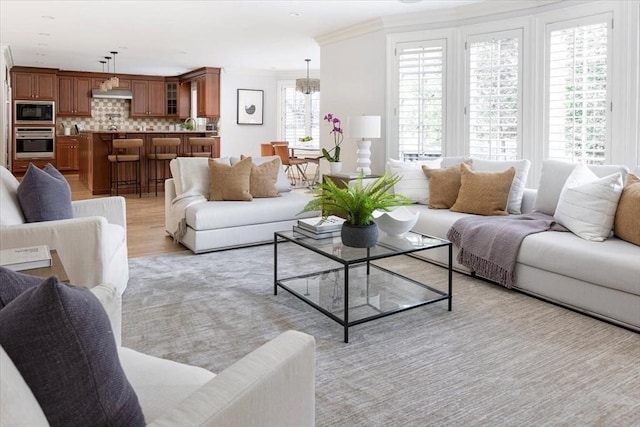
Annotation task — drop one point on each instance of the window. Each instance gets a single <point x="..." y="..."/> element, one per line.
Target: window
<point x="420" y="109"/>
<point x="493" y="96"/>
<point x="299" y="114"/>
<point x="577" y="92"/>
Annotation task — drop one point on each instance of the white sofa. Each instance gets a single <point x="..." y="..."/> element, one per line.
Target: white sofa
<point x="273" y="385"/>
<point x="92" y="246"/>
<point x="214" y="225"/>
<point x="601" y="279"/>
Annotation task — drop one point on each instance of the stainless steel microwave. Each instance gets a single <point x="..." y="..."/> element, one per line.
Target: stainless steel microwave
<point x="35" y="113"/>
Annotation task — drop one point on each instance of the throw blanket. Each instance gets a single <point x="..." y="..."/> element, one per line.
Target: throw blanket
<point x="489" y="245"/>
<point x="191" y="175"/>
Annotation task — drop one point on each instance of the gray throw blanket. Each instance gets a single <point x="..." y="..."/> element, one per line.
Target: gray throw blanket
<point x="489" y="245"/>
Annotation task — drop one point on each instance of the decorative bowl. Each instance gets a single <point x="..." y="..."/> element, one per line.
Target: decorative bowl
<point x="396" y="222"/>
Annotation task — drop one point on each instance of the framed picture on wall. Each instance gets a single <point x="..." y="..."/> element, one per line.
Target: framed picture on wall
<point x="250" y="106"/>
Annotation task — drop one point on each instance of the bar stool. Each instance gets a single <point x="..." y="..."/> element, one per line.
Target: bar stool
<point x="122" y="156"/>
<point x="203" y="142"/>
<point x="161" y="152"/>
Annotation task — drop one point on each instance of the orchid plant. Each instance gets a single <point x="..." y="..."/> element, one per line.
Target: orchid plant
<point x="337" y="132"/>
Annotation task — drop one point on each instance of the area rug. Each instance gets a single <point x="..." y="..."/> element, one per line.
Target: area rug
<point x="500" y="358"/>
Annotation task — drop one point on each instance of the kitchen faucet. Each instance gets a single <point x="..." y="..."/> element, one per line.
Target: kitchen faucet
<point x="186" y="123"/>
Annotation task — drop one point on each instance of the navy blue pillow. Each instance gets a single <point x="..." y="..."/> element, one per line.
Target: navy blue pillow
<point x="13" y="284"/>
<point x="60" y="339"/>
<point x="44" y="195"/>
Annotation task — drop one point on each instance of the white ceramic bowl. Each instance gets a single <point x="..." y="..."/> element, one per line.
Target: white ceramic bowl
<point x="396" y="222"/>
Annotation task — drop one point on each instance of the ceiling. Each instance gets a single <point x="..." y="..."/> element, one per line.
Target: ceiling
<point x="172" y="37"/>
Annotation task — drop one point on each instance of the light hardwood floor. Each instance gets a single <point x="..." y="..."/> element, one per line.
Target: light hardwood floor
<point x="145" y="221"/>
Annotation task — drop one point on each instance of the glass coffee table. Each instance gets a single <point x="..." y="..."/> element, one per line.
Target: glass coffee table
<point x="347" y="285"/>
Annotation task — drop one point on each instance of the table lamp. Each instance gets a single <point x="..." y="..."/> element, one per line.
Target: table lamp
<point x="364" y="127"/>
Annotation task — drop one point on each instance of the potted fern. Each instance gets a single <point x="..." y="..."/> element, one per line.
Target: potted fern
<point x="356" y="205"/>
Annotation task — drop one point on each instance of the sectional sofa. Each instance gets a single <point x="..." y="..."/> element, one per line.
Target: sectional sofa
<point x="600" y="278"/>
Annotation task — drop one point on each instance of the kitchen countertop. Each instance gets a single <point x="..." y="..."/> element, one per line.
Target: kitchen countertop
<point x="147" y="131"/>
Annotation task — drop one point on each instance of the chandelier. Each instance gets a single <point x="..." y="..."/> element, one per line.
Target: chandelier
<point x="111" y="82"/>
<point x="308" y="86"/>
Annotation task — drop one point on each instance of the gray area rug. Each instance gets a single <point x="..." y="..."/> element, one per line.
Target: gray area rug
<point x="500" y="358"/>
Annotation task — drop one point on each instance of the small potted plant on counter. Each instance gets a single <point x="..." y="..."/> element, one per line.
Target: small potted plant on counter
<point x="356" y="204"/>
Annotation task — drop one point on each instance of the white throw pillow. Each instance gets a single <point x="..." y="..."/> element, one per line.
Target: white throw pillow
<point x="282" y="183"/>
<point x="413" y="182"/>
<point x="450" y="161"/>
<point x="554" y="176"/>
<point x="587" y="204"/>
<point x="191" y="175"/>
<point x="519" y="180"/>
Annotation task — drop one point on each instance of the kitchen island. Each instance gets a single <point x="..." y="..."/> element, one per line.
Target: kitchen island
<point x="96" y="146"/>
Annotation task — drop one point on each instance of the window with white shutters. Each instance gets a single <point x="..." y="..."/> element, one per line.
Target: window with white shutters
<point x="421" y="105"/>
<point x="577" y="91"/>
<point x="494" y="95"/>
<point x="300" y="114"/>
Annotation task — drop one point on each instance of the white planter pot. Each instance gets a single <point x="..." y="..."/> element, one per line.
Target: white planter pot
<point x="335" y="167"/>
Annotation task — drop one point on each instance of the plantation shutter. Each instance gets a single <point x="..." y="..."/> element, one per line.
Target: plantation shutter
<point x="494" y="94"/>
<point x="299" y="114"/>
<point x="578" y="99"/>
<point x="420" y="109"/>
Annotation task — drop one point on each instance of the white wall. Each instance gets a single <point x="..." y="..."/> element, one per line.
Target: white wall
<point x="354" y="81"/>
<point x="246" y="139"/>
<point x="352" y="77"/>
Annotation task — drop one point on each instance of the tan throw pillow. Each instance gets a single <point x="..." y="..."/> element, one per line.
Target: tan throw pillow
<point x="484" y="193"/>
<point x="627" y="222"/>
<point x="444" y="185"/>
<point x="230" y="182"/>
<point x="263" y="178"/>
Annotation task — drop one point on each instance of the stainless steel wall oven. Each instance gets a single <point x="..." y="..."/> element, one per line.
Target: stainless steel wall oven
<point x="33" y="142"/>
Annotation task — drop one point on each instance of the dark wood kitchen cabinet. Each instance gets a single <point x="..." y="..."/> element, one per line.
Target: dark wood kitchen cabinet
<point x="178" y="98"/>
<point x="68" y="152"/>
<point x="209" y="94"/>
<point x="148" y="98"/>
<point x="74" y="96"/>
<point x="32" y="85"/>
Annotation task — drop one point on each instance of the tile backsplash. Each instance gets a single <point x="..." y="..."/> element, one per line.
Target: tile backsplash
<point x="107" y="112"/>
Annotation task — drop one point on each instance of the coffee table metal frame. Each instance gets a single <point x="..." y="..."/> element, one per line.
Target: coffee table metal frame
<point x="363" y="259"/>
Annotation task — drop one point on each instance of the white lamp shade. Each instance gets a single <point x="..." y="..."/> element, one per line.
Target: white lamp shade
<point x="364" y="126"/>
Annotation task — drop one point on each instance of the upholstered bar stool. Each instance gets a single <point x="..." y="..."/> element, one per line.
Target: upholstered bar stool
<point x="202" y="142"/>
<point x="125" y="151"/>
<point x="163" y="150"/>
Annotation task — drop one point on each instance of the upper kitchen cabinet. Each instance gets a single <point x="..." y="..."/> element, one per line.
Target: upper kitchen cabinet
<point x="209" y="93"/>
<point x="74" y="96"/>
<point x="148" y="98"/>
<point x="34" y="85"/>
<point x="178" y="98"/>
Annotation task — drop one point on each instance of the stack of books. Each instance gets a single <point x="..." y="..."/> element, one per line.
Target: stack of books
<point x="19" y="259"/>
<point x="317" y="228"/>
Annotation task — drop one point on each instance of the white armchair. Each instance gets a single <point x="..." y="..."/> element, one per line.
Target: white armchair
<point x="272" y="386"/>
<point x="92" y="246"/>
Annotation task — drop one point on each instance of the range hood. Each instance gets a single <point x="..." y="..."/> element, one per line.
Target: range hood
<point x="112" y="94"/>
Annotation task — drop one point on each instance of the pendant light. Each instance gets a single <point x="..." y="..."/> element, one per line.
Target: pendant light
<point x="115" y="81"/>
<point x="308" y="86"/>
<point x="107" y="84"/>
<point x="103" y="86"/>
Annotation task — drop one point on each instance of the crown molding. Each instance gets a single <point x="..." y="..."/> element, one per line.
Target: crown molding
<point x="444" y="18"/>
<point x="350" y="32"/>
